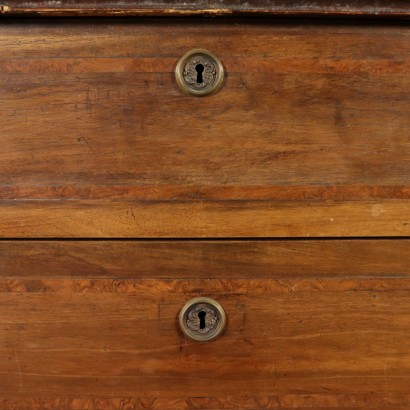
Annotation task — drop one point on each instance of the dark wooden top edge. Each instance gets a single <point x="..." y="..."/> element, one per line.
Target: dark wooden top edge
<point x="341" y="8"/>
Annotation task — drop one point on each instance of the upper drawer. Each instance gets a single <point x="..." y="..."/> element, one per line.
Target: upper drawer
<point x="309" y="135"/>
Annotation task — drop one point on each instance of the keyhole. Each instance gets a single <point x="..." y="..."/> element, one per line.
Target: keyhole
<point x="201" y="316"/>
<point x="199" y="70"/>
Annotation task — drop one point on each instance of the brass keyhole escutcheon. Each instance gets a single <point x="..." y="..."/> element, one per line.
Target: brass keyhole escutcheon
<point x="202" y="319"/>
<point x="199" y="73"/>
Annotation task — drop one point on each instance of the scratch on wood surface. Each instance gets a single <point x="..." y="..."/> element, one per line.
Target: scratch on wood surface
<point x="377" y="210"/>
<point x="19" y="371"/>
<point x="4" y="8"/>
<point x="199" y="11"/>
<point x="385" y="375"/>
<point x="275" y="375"/>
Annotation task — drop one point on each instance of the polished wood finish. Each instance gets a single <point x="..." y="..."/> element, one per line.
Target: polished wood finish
<point x="341" y="8"/>
<point x="97" y="140"/>
<point x="374" y="401"/>
<point x="295" y="338"/>
<point x="194" y="219"/>
<point x="162" y="198"/>
<point x="205" y="259"/>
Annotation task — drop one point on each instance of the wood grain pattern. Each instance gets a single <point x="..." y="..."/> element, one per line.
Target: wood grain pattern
<point x="193" y="219"/>
<point x="372" y="401"/>
<point x="397" y="8"/>
<point x="206" y="260"/>
<point x="309" y="136"/>
<point x="79" y="330"/>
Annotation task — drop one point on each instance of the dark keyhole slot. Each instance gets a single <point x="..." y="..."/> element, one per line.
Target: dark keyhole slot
<point x="199" y="70"/>
<point x="201" y="316"/>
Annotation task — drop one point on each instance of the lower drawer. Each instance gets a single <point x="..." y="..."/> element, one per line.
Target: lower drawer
<point x="310" y="324"/>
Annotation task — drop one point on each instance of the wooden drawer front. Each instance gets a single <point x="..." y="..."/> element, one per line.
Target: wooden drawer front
<point x="311" y="324"/>
<point x="309" y="135"/>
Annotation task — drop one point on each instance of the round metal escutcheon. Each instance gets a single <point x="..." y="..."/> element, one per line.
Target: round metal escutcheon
<point x="199" y="73"/>
<point x="202" y="319"/>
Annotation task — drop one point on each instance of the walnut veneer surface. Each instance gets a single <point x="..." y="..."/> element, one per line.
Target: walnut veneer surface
<point x="285" y="197"/>
<point x="308" y="137"/>
<point x="312" y="324"/>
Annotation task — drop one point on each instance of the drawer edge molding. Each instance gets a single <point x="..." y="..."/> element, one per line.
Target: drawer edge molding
<point x="345" y="8"/>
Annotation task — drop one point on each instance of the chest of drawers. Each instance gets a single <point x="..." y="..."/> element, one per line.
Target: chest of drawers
<point x="284" y="196"/>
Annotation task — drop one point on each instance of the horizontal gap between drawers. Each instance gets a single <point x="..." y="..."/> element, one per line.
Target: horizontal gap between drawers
<point x="210" y="239"/>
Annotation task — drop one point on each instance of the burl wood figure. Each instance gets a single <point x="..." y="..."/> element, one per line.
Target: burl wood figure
<point x="204" y="205"/>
